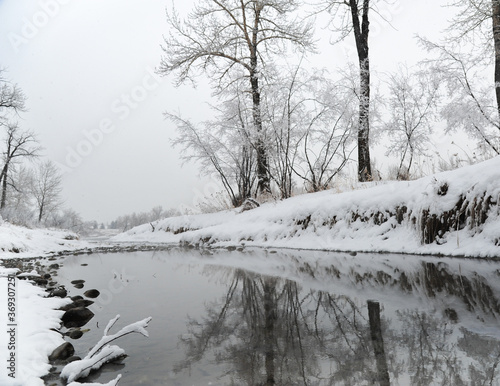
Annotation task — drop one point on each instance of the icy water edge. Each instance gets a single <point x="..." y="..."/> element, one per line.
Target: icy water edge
<point x="261" y="317"/>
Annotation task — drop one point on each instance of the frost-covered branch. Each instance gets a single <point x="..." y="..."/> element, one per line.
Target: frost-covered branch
<point x="102" y="352"/>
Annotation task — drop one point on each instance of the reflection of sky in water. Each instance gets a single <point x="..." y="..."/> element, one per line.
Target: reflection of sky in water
<point x="299" y="317"/>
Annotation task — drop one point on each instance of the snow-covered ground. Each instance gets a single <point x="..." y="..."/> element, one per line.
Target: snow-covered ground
<point x="26" y="320"/>
<point x="364" y="220"/>
<point x="28" y="337"/>
<point x="21" y="242"/>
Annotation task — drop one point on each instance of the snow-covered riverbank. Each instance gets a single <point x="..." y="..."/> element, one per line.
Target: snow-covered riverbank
<point x="27" y="315"/>
<point x="26" y="318"/>
<point x="21" y="242"/>
<point x="452" y="213"/>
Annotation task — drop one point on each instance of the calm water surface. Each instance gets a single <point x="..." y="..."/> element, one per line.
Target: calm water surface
<point x="294" y="317"/>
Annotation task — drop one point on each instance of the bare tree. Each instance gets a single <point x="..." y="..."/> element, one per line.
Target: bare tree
<point x="472" y="44"/>
<point x="235" y="38"/>
<point x="359" y="26"/>
<point x="46" y="188"/>
<point x="223" y="148"/>
<point x="412" y="106"/>
<point x="67" y="219"/>
<point x="18" y="144"/>
<point x="285" y="108"/>
<point x="12" y="99"/>
<point x="323" y="110"/>
<point x="19" y="209"/>
<point x="477" y="22"/>
<point x="471" y="104"/>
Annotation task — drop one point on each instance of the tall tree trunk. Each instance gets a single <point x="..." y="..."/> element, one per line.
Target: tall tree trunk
<point x="264" y="183"/>
<point x="263" y="186"/>
<point x="3" y="179"/>
<point x="40" y="213"/>
<point x="361" y="31"/>
<point x="496" y="39"/>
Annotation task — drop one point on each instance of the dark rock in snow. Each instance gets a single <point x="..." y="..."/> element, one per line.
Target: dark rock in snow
<point x="77" y="317"/>
<point x="59" y="292"/>
<point x="77" y="303"/>
<point x="83" y="302"/>
<point x="62" y="352"/>
<point x="40" y="281"/>
<point x="67" y="307"/>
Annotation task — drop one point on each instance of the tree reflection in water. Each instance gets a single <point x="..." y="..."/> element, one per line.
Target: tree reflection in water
<point x="269" y="331"/>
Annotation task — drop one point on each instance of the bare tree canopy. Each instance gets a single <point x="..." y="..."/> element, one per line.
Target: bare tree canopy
<point x="412" y="103"/>
<point x="46" y="188"/>
<point x="477" y="23"/>
<point x="221" y="34"/>
<point x="12" y="99"/>
<point x="470" y="105"/>
<point x="231" y="39"/>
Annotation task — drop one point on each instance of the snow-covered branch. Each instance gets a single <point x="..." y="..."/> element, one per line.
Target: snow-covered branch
<point x="102" y="352"/>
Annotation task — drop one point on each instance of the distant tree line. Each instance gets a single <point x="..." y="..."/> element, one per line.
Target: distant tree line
<point x="128" y="221"/>
<point x="278" y="126"/>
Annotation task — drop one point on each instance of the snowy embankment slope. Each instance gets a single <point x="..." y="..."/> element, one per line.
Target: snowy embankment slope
<point x="20" y="242"/>
<point x="450" y="213"/>
<point x="28" y="335"/>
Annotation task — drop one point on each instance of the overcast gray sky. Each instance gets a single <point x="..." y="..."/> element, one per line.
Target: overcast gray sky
<point x="87" y="68"/>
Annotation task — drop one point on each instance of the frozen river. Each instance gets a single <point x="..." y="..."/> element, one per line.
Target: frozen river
<point x="255" y="317"/>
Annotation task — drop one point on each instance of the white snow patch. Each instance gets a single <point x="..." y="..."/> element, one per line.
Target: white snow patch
<point x="20" y="242"/>
<point x="35" y="316"/>
<point x="113" y="382"/>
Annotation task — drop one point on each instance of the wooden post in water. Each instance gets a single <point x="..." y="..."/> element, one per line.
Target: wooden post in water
<point x="378" y="343"/>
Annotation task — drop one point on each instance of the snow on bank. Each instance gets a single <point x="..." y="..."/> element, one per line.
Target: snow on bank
<point x="23" y="242"/>
<point x="377" y="218"/>
<point x="27" y="337"/>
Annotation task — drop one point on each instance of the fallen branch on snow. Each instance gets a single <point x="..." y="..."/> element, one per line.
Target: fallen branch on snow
<point x="102" y="352"/>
